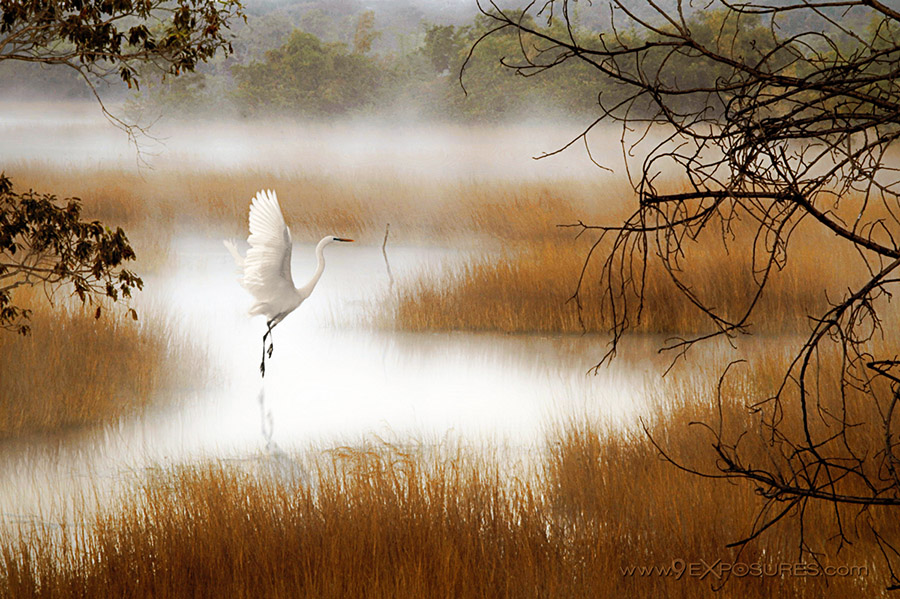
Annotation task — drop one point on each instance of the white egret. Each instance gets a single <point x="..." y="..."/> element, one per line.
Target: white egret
<point x="266" y="269"/>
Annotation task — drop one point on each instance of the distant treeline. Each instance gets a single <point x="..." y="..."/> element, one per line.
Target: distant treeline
<point x="306" y="76"/>
<point x="326" y="60"/>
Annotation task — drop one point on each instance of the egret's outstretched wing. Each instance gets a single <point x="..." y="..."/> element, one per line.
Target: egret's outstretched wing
<point x="267" y="265"/>
<point x="232" y="249"/>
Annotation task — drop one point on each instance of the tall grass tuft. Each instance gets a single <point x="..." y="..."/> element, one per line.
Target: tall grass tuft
<point x="530" y="288"/>
<point x="74" y="370"/>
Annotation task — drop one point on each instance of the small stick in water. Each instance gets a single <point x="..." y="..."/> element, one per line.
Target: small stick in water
<point x="384" y="253"/>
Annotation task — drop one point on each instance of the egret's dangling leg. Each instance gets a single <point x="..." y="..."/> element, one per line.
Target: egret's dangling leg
<point x="262" y="365"/>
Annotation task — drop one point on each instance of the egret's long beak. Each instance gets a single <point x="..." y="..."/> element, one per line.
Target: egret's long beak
<point x="342" y="239"/>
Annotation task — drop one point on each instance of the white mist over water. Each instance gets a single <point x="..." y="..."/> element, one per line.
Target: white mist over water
<point x="78" y="135"/>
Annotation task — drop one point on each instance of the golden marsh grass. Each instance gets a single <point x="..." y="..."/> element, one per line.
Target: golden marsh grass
<point x="74" y="370"/>
<point x="418" y="209"/>
<point x="529" y="289"/>
<point x="390" y="521"/>
<point x="530" y="268"/>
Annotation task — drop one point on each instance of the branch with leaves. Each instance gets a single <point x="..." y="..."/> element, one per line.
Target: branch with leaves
<point x="101" y="40"/>
<point x="44" y="241"/>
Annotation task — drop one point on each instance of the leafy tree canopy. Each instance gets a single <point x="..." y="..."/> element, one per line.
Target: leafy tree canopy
<point x="99" y="37"/>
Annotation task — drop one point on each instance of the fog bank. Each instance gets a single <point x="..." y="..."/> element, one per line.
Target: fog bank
<point x="77" y="135"/>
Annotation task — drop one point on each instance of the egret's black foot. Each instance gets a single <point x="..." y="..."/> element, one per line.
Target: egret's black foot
<point x="262" y="368"/>
<point x="271" y="349"/>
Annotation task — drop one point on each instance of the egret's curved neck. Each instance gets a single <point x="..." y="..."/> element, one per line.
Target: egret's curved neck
<point x="320" y="266"/>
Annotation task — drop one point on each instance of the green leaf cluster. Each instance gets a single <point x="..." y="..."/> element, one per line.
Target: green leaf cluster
<point x="44" y="240"/>
<point x="101" y="37"/>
